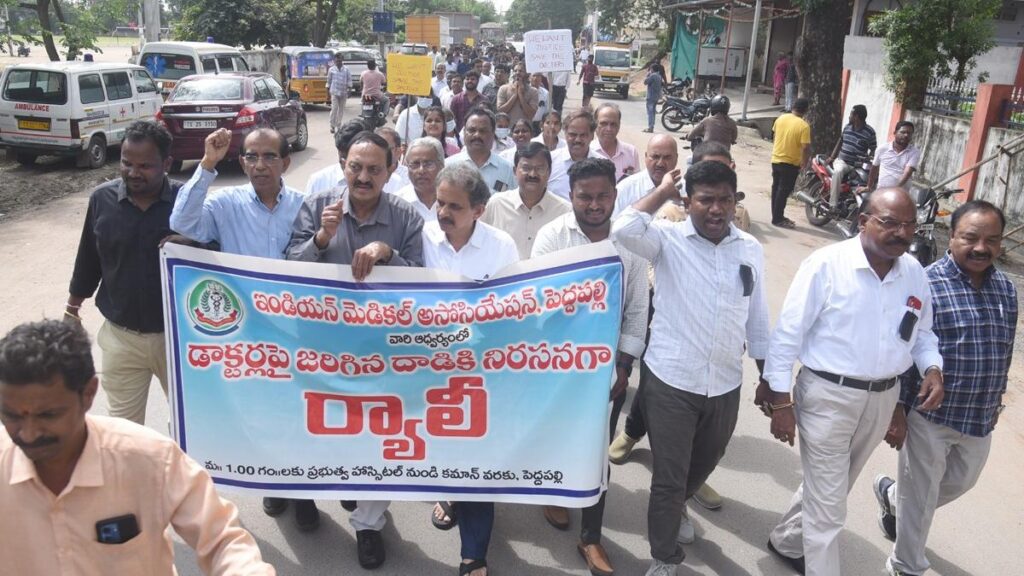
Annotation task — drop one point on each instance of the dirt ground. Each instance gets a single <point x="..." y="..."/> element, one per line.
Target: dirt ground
<point x="25" y="187"/>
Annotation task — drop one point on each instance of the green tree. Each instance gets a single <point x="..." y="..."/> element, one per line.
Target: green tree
<point x="231" y="22"/>
<point x="355" y="20"/>
<point x="78" y="24"/>
<point x="616" y="15"/>
<point x="933" y="38"/>
<point x="526" y="15"/>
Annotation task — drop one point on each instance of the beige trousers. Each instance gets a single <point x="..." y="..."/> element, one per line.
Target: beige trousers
<point x="130" y="360"/>
<point x="838" y="428"/>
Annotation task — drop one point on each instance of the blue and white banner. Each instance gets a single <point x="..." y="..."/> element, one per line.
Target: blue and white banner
<point x="291" y="379"/>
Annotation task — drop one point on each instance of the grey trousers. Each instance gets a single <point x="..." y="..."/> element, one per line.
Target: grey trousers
<point x="838" y="428"/>
<point x="688" y="434"/>
<point x="937" y="465"/>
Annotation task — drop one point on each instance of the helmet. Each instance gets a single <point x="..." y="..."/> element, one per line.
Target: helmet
<point x="720" y="103"/>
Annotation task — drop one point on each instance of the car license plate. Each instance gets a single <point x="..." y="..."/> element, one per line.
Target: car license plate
<point x="199" y="124"/>
<point x="39" y="125"/>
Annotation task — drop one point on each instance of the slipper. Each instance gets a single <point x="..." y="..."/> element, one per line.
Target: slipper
<point x="449" y="511"/>
<point x="465" y="569"/>
<point x="785" y="224"/>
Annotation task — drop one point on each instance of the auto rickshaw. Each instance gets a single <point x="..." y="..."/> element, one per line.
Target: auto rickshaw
<point x="307" y="73"/>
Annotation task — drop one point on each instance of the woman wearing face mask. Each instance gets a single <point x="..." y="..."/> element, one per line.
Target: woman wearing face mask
<point x="503" y="133"/>
<point x="449" y="127"/>
<point x="410" y="122"/>
<point x="435" y="126"/>
<point x="521" y="133"/>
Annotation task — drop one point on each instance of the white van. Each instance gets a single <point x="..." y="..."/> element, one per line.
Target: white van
<point x="169" y="62"/>
<point x="72" y="108"/>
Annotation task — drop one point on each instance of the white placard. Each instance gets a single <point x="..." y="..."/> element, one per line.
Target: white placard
<point x="548" y="50"/>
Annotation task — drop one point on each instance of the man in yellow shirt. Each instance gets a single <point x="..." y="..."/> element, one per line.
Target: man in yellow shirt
<point x="790" y="155"/>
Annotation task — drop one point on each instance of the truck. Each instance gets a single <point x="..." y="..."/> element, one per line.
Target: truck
<point x="428" y="29"/>
<point x="613" y="60"/>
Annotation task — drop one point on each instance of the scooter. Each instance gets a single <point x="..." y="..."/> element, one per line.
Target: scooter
<point x="373" y="112"/>
<point x="922" y="246"/>
<point x="678" y="112"/>
<point x="817" y="195"/>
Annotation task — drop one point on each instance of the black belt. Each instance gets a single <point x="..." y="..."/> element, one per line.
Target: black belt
<point x="869" y="385"/>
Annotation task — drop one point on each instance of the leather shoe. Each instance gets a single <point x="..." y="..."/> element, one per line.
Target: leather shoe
<point x="597" y="559"/>
<point x="370" y="548"/>
<point x="274" y="506"/>
<point x="557" y="517"/>
<point x="307" y="517"/>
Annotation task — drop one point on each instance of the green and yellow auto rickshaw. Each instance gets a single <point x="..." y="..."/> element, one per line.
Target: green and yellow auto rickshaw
<point x="307" y="72"/>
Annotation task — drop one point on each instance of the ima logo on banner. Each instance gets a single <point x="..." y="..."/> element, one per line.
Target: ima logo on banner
<point x="214" y="308"/>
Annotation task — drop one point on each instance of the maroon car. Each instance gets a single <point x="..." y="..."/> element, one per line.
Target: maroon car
<point x="238" y="101"/>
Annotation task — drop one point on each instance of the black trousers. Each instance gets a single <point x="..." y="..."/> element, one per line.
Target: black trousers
<point x="783" y="181"/>
<point x="592" y="517"/>
<point x="557" y="97"/>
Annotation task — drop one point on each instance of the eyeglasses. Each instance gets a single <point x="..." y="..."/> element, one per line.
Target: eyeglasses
<point x="425" y="165"/>
<point x="528" y="169"/>
<point x="253" y="158"/>
<point x="890" y="225"/>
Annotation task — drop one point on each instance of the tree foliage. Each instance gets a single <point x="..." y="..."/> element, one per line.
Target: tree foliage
<point x="75" y="23"/>
<point x="617" y="15"/>
<point x="526" y="15"/>
<point x="933" y="38"/>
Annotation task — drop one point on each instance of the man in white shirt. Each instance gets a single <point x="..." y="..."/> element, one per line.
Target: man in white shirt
<point x="439" y="83"/>
<point x="339" y="82"/>
<point x="543" y="103"/>
<point x="857" y="315"/>
<point x="334" y="175"/>
<point x="661" y="157"/>
<point x="398" y="170"/>
<point x="896" y="161"/>
<point x="692" y="368"/>
<point x="455" y="84"/>
<point x="410" y="121"/>
<point x="579" y="133"/>
<point x="479" y="143"/>
<point x="592" y="182"/>
<point x="559" y="85"/>
<point x="607" y="144"/>
<point x="484" y="69"/>
<point x="425" y="159"/>
<point x="523" y="211"/>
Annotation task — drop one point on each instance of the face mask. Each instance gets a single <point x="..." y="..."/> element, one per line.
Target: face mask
<point x="424" y="102"/>
<point x="502" y="132"/>
<point x="450" y="126"/>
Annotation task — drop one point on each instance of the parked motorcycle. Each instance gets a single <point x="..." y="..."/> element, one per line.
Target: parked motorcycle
<point x="678" y="88"/>
<point x="24" y="51"/>
<point x="678" y="112"/>
<point x="817" y="195"/>
<point x="922" y="246"/>
<point x="373" y="111"/>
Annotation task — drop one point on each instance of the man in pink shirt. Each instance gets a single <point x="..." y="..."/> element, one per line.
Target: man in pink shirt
<point x="91" y="495"/>
<point x="607" y="144"/>
<point x="373" y="84"/>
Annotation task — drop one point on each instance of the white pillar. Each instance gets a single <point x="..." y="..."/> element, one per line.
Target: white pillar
<point x="750" y="59"/>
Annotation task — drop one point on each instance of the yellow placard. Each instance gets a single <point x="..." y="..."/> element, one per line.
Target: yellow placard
<point x="409" y="74"/>
<point x="470" y="42"/>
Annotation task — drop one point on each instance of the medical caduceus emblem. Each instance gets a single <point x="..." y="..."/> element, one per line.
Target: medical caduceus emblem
<point x="214" y="308"/>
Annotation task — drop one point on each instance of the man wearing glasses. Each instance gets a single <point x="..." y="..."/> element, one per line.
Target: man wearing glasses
<point x="254" y="219"/>
<point x="858" y="314"/>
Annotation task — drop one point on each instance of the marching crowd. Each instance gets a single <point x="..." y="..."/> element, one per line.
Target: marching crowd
<point x="470" y="184"/>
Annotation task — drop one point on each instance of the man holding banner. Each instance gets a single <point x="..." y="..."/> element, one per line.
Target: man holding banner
<point x="692" y="368"/>
<point x="592" y="185"/>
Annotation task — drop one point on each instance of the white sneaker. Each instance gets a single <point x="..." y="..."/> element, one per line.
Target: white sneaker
<point x="659" y="568"/>
<point x="687" y="534"/>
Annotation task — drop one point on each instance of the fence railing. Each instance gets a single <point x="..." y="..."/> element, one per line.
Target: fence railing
<point x="1013" y="109"/>
<point x="950" y="98"/>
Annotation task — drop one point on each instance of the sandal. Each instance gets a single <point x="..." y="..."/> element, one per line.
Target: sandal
<point x="465" y="569"/>
<point x="449" y="510"/>
<point x="787" y="223"/>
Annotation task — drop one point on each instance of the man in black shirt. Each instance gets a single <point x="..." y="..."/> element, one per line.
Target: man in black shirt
<point x="126" y="222"/>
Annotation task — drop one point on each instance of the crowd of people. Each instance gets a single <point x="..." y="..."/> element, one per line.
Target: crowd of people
<point x="484" y="173"/>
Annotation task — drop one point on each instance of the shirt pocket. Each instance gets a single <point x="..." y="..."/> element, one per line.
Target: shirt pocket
<point x="131" y="557"/>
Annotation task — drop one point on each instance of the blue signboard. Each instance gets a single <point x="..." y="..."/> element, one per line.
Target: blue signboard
<point x="384" y="22"/>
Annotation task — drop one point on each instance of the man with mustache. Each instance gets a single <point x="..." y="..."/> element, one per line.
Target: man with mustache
<point x="362" y="227"/>
<point x="87" y="494"/>
<point x="253" y="219"/>
<point x="579" y="133"/>
<point x="334" y="175"/>
<point x="519" y="99"/>
<point x="479" y="151"/>
<point x="399" y="174"/>
<point x="607" y="144"/>
<point x="524" y="210"/>
<point x="593" y="197"/>
<point x="661" y="157"/>
<point x="126" y="221"/>
<point x="946" y="449"/>
<point x="857" y="315"/>
<point x="462" y="102"/>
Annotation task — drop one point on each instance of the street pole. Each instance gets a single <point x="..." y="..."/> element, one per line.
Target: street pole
<point x="750" y="59"/>
<point x="7" y="24"/>
<point x="728" y="41"/>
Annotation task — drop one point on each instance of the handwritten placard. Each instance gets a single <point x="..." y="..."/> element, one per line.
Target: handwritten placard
<point x="548" y="50"/>
<point x="409" y="74"/>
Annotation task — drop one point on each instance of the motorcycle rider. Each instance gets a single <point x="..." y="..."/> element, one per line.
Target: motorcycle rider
<point x="717" y="127"/>
<point x="857" y="143"/>
<point x="373" y="81"/>
<point x="896" y="161"/>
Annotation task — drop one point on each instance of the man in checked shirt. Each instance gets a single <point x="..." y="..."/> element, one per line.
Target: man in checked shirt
<point x="945" y="450"/>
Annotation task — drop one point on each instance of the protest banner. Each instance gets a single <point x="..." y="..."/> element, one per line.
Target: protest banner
<point x="548" y="50"/>
<point x="410" y="74"/>
<point x="290" y="379"/>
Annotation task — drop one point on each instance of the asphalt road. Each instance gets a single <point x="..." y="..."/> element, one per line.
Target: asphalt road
<point x="981" y="534"/>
